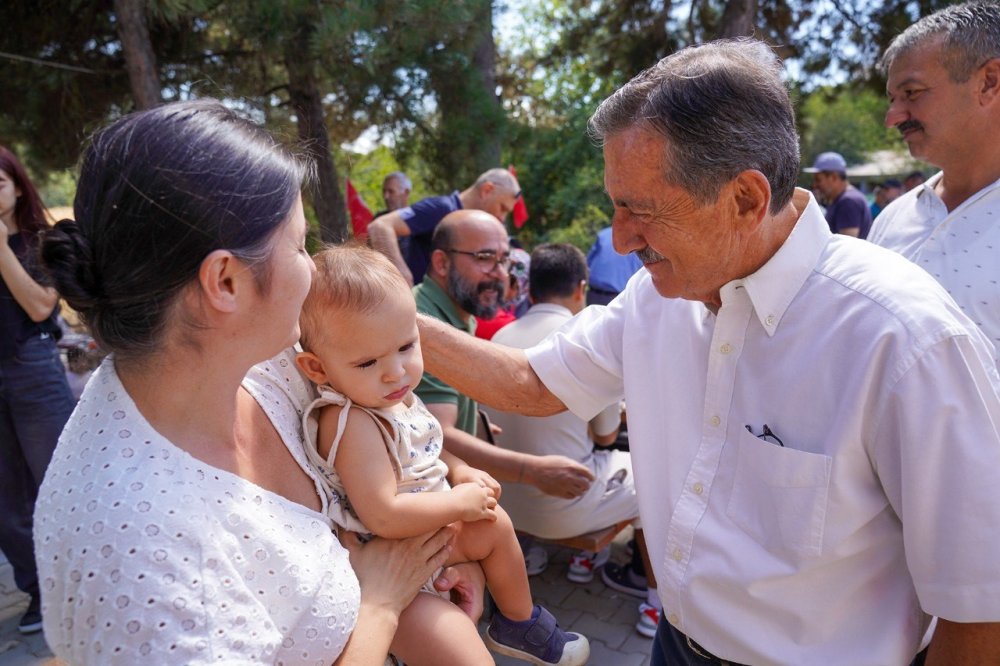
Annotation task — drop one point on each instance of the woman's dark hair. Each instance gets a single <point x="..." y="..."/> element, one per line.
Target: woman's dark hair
<point x="159" y="190"/>
<point x="29" y="213"/>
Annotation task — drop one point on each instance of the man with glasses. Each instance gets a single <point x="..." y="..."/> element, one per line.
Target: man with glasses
<point x="944" y="98"/>
<point x="495" y="191"/>
<point x="466" y="278"/>
<point x="813" y="422"/>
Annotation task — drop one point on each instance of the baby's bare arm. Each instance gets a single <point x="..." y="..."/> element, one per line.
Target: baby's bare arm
<point x="366" y="471"/>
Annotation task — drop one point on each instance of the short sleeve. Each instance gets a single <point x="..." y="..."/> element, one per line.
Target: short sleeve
<point x="425" y="215"/>
<point x="581" y="363"/>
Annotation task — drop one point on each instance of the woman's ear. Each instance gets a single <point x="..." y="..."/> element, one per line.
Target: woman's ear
<point x="218" y="277"/>
<point x="311" y="367"/>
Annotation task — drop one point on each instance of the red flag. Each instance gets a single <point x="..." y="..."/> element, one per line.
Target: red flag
<point x="520" y="212"/>
<point x="360" y="214"/>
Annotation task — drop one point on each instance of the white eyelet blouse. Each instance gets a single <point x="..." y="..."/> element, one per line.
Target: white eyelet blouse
<point x="146" y="554"/>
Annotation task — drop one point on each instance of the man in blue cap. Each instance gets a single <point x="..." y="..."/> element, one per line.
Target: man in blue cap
<point x="847" y="210"/>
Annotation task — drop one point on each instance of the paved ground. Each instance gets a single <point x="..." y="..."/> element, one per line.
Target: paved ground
<point x="606" y="617"/>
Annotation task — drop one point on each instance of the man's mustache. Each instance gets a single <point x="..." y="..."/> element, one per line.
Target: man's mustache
<point x="648" y="255"/>
<point x="908" y="125"/>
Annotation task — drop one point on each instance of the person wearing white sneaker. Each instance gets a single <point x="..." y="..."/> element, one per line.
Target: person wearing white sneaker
<point x="557" y="290"/>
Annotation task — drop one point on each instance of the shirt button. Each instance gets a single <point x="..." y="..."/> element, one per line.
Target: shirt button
<point x="725" y="349"/>
<point x="698" y="488"/>
<point x="673" y="619"/>
<point x="677" y="555"/>
<point x="715" y="421"/>
<point x="770" y="320"/>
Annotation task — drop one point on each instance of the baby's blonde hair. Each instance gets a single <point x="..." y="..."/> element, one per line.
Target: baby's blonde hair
<point x="350" y="278"/>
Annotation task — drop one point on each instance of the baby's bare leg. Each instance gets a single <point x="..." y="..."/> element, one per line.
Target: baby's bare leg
<point x="495" y="547"/>
<point x="434" y="631"/>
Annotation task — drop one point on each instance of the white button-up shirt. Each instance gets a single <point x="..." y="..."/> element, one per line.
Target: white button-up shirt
<point x="961" y="249"/>
<point x="881" y="503"/>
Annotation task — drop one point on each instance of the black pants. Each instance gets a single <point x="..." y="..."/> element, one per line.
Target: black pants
<point x="672" y="648"/>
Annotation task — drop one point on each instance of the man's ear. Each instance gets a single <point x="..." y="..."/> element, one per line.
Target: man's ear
<point x="220" y="276"/>
<point x="439" y="263"/>
<point x="311" y="367"/>
<point x="990" y="77"/>
<point x="751" y="196"/>
<point x="486" y="189"/>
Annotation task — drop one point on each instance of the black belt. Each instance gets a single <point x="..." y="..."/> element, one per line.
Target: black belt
<point x="705" y="654"/>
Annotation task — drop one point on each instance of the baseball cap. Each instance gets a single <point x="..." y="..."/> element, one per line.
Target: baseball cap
<point x="828" y="162"/>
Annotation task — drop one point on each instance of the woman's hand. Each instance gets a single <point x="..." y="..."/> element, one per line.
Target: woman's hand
<point x="391" y="571"/>
<point x="466" y="583"/>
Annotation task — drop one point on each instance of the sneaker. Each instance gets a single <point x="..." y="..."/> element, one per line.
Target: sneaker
<point x="649" y="619"/>
<point x="536" y="560"/>
<point x="583" y="565"/>
<point x="31" y="621"/>
<point x="539" y="640"/>
<point x="620" y="577"/>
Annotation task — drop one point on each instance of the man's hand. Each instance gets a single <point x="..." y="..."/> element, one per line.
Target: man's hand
<point x="558" y="476"/>
<point x="465" y="582"/>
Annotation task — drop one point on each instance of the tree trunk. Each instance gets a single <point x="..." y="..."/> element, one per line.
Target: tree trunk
<point x="139" y="58"/>
<point x="303" y="91"/>
<point x="484" y="57"/>
<point x="738" y="18"/>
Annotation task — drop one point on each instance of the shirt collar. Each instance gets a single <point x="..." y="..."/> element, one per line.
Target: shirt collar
<point x="550" y="307"/>
<point x="773" y="286"/>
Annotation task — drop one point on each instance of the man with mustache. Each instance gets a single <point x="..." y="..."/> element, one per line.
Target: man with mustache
<point x="944" y="98"/>
<point x="469" y="259"/>
<point x="813" y="422"/>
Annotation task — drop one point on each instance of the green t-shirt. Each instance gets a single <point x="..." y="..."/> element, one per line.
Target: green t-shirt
<point x="434" y="302"/>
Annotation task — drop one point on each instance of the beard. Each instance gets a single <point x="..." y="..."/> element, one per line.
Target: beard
<point x="468" y="295"/>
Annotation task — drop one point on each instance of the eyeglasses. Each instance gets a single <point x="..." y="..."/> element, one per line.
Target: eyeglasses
<point x="487" y="260"/>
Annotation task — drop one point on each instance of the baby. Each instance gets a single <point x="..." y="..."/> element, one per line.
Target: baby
<point x="387" y="473"/>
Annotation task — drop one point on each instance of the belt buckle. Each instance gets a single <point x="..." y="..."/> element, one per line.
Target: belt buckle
<point x="697" y="649"/>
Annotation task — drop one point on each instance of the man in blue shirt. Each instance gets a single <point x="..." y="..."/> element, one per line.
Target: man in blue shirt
<point x="609" y="271"/>
<point x="847" y="210"/>
<point x="495" y="192"/>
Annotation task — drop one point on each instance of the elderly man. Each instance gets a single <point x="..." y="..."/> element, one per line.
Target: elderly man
<point x="944" y="91"/>
<point x="466" y="277"/>
<point x="495" y="191"/>
<point x="813" y="422"/>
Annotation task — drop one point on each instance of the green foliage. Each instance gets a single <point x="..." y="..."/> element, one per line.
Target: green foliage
<point x="847" y="120"/>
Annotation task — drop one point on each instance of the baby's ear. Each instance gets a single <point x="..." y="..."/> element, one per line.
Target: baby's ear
<point x="311" y="367"/>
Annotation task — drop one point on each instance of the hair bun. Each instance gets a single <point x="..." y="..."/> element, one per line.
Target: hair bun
<point x="67" y="255"/>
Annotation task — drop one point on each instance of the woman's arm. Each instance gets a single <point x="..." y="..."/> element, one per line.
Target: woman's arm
<point x="37" y="301"/>
<point x="366" y="472"/>
<point x="391" y="573"/>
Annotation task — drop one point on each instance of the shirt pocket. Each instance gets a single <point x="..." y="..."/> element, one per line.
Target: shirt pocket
<point x="780" y="496"/>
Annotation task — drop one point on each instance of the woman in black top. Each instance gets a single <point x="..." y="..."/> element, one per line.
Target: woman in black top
<point x="35" y="399"/>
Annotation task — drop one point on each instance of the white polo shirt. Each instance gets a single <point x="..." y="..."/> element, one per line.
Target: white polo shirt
<point x="882" y="505"/>
<point x="961" y="249"/>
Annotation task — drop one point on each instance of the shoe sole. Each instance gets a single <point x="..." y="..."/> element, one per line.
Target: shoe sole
<point x="579" y="577"/>
<point x="30" y="628"/>
<point x="644" y="630"/>
<point x="577" y="656"/>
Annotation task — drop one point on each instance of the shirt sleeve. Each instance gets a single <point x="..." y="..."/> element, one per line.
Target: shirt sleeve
<point x="424" y="215"/>
<point x="608" y="421"/>
<point x="581" y="363"/>
<point x="937" y="452"/>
